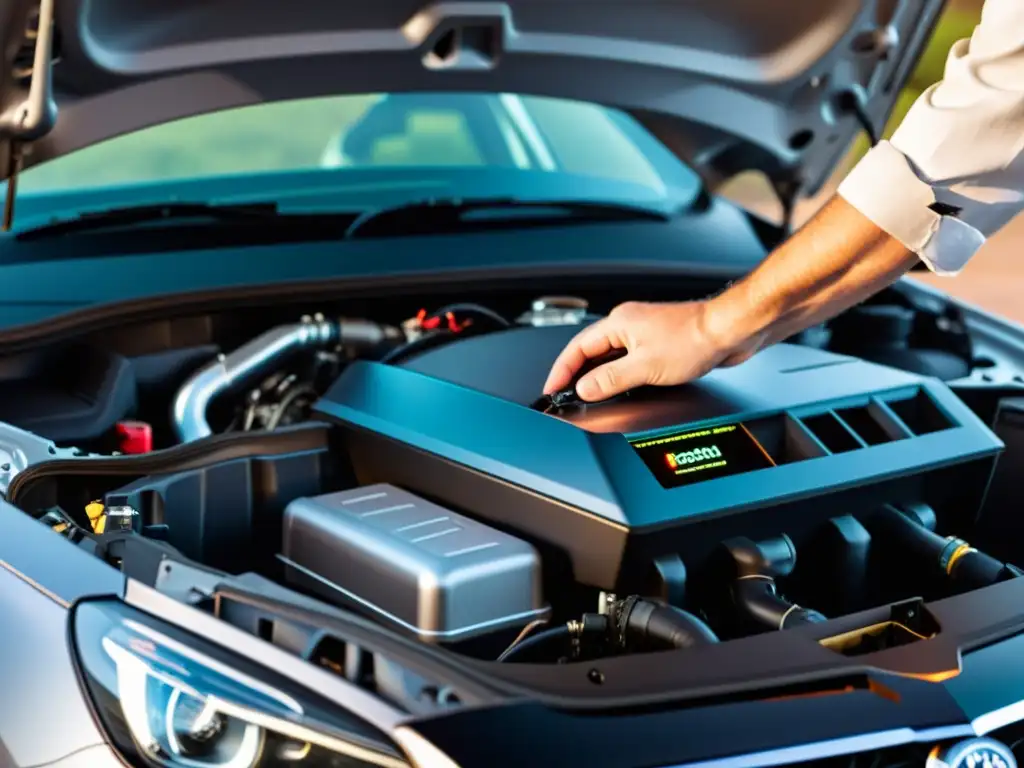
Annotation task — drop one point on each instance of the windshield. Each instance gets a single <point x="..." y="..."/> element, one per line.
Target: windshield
<point x="422" y="134"/>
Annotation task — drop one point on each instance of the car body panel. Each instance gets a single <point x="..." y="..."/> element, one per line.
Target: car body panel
<point x="39" y="677"/>
<point x="40" y="687"/>
<point x="47" y="284"/>
<point x="743" y="110"/>
<point x="730" y="84"/>
<point x="42" y="574"/>
<point x="54" y="568"/>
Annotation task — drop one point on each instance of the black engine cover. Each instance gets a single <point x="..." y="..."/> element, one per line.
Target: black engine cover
<point x="454" y="424"/>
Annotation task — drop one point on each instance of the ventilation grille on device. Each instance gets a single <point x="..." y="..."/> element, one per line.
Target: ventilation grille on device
<point x="799" y="435"/>
<point x="880" y="420"/>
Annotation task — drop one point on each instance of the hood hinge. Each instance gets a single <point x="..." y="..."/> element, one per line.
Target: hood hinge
<point x="32" y="112"/>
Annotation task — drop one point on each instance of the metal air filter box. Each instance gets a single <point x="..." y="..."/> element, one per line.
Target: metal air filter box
<point x="412" y="564"/>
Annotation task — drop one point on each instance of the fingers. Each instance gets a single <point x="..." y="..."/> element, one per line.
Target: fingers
<point x="612" y="379"/>
<point x="592" y="341"/>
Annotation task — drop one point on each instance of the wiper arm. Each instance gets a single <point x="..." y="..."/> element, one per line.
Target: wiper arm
<point x="120" y="218"/>
<point x="432" y="217"/>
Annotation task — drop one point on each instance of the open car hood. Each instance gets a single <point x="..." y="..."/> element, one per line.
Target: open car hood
<point x="728" y="85"/>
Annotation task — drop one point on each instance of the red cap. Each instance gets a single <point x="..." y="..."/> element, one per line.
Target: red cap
<point x="136" y="436"/>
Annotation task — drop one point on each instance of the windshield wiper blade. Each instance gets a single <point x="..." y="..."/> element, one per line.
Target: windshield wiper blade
<point x="129" y="216"/>
<point x="417" y="218"/>
<point x="433" y="217"/>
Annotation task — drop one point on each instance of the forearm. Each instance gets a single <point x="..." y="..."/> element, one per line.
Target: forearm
<point x="950" y="177"/>
<point x="837" y="260"/>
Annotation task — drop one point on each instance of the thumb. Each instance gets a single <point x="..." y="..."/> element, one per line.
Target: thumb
<point x="612" y="379"/>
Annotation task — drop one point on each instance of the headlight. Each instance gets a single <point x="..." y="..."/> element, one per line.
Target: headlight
<point x="168" y="699"/>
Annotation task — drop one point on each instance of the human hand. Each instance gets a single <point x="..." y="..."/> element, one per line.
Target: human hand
<point x="666" y="344"/>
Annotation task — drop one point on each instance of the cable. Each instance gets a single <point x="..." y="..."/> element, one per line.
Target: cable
<point x="473" y="309"/>
<point x="632" y="624"/>
<point x="422" y="344"/>
<point x="534" y="641"/>
<point x="437" y="333"/>
<point x="522" y="635"/>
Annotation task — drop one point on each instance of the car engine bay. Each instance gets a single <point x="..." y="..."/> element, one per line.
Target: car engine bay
<point x="842" y="487"/>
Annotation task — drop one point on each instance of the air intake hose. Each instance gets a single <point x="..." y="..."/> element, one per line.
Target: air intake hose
<point x="260" y="357"/>
<point x="639" y="624"/>
<point x="964" y="565"/>
<point x="754" y="591"/>
<point x="762" y="604"/>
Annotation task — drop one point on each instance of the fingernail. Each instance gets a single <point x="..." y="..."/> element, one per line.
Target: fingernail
<point x="587" y="389"/>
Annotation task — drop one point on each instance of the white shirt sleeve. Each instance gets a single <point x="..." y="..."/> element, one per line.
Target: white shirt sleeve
<point x="953" y="173"/>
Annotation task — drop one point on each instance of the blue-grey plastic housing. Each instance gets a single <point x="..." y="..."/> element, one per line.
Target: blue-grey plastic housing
<point x="454" y="425"/>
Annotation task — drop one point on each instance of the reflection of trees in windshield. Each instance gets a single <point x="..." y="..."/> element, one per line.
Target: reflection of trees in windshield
<point x="503" y="131"/>
<point x="418" y="129"/>
<point x="397" y="130"/>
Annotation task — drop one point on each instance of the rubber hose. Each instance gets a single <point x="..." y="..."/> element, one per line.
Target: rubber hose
<point x="650" y="623"/>
<point x="758" y="598"/>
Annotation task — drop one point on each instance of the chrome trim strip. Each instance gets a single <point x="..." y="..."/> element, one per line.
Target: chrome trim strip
<point x="820" y="750"/>
<point x="998" y="718"/>
<point x="35" y="585"/>
<point x="421" y="751"/>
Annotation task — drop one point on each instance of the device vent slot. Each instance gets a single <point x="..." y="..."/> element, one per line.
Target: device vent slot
<point x="801" y="442"/>
<point x="919" y="414"/>
<point x="785" y="438"/>
<point x="832" y="432"/>
<point x="873" y="423"/>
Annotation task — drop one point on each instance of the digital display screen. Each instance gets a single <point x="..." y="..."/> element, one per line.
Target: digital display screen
<point x="684" y="458"/>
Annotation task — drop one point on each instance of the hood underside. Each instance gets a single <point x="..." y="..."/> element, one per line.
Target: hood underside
<point x="728" y="85"/>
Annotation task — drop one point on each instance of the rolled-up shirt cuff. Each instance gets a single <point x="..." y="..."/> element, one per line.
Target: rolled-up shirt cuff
<point x="884" y="187"/>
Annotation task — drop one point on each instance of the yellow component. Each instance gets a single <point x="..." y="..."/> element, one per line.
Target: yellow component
<point x="963" y="549"/>
<point x="60" y="527"/>
<point x="97" y="513"/>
